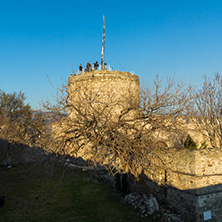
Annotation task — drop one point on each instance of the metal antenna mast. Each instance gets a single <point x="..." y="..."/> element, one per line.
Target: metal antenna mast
<point x="103" y="47"/>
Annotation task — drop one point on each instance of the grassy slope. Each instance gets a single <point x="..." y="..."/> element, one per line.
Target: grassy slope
<point x="32" y="197"/>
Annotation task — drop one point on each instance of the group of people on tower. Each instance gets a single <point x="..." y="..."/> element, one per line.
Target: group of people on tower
<point x="89" y="67"/>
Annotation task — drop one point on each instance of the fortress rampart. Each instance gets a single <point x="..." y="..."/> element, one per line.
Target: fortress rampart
<point x="192" y="178"/>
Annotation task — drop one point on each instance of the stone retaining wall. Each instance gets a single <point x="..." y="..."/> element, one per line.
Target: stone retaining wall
<point x="19" y="154"/>
<point x="193" y="179"/>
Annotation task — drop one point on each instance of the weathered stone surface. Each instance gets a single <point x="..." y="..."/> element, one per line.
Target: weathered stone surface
<point x="142" y="202"/>
<point x="193" y="180"/>
<point x="106" y="86"/>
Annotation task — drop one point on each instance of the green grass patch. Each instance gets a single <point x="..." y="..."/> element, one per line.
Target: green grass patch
<point x="31" y="196"/>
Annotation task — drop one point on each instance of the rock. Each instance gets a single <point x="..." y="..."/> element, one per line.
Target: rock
<point x="147" y="205"/>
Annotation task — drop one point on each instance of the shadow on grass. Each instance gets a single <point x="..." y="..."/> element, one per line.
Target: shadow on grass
<point x="33" y="197"/>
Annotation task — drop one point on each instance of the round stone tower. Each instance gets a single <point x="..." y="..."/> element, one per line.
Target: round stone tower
<point x="99" y="89"/>
<point x="113" y="88"/>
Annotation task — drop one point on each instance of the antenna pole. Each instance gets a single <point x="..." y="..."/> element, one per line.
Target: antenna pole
<point x="103" y="47"/>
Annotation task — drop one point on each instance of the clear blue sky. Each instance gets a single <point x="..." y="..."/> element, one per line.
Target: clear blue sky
<point x="149" y="37"/>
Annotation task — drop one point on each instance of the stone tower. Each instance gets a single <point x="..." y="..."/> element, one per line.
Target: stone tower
<point x="114" y="88"/>
<point x="101" y="88"/>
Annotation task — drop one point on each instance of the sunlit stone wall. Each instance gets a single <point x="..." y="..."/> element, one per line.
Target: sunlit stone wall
<point x="103" y="86"/>
<point x="193" y="180"/>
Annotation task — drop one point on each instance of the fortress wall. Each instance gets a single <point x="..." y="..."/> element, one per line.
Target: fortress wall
<point x="187" y="169"/>
<point x="193" y="179"/>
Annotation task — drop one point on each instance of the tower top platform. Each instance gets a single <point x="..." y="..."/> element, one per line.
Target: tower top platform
<point x="104" y="74"/>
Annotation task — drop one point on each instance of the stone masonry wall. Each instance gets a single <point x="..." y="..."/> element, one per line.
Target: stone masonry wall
<point x="193" y="179"/>
<point x="104" y="86"/>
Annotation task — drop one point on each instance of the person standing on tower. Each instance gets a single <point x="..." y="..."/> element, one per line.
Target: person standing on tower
<point x="80" y="68"/>
<point x="96" y="65"/>
<point x="88" y="67"/>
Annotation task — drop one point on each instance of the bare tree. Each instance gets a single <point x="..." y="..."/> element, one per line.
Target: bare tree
<point x="162" y="105"/>
<point x="109" y="133"/>
<point x="208" y="110"/>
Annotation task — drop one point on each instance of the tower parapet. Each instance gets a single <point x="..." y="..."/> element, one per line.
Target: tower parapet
<point x="97" y="76"/>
